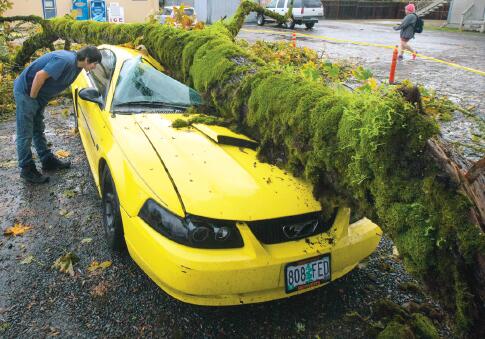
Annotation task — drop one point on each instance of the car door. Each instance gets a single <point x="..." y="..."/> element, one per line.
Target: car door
<point x="297" y="8"/>
<point x="280" y="7"/>
<point x="95" y="115"/>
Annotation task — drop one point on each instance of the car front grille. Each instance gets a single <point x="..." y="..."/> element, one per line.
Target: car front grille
<point x="275" y="231"/>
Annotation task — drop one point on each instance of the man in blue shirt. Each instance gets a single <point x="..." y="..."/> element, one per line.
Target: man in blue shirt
<point x="41" y="81"/>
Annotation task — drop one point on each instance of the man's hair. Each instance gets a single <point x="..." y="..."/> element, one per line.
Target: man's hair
<point x="91" y="52"/>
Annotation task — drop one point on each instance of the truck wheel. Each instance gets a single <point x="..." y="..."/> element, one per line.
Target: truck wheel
<point x="290" y="23"/>
<point x="310" y="25"/>
<point x="260" y="20"/>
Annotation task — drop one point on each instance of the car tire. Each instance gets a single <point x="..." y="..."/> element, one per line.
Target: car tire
<point x="260" y="20"/>
<point x="310" y="25"/>
<point x="112" y="223"/>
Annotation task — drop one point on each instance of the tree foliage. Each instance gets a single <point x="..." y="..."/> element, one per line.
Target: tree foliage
<point x="4" y="5"/>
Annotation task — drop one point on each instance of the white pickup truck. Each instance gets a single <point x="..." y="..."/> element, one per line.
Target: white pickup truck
<point x="305" y="12"/>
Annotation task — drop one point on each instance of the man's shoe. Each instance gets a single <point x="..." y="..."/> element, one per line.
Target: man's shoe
<point x="51" y="163"/>
<point x="31" y="174"/>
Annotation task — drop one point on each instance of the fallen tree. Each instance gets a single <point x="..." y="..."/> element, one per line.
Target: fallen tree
<point x="370" y="150"/>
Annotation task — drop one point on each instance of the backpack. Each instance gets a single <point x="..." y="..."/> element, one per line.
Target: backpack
<point x="418" y="26"/>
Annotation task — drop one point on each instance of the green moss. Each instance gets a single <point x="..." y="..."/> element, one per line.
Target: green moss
<point x="423" y="327"/>
<point x="180" y="123"/>
<point x="396" y="330"/>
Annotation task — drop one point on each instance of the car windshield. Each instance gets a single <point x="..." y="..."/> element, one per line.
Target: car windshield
<point x="140" y="84"/>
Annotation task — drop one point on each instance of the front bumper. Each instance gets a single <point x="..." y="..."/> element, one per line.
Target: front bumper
<point x="254" y="273"/>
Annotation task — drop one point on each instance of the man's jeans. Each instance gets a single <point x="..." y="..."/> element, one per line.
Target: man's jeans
<point x="30" y="126"/>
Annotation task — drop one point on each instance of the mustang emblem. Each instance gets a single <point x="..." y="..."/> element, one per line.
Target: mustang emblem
<point x="301" y="229"/>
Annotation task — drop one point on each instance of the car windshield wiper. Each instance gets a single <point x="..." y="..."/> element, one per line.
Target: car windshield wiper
<point x="152" y="104"/>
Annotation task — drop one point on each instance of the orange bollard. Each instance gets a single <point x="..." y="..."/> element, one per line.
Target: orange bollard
<point x="293" y="39"/>
<point x="393" y="65"/>
<point x="414" y="55"/>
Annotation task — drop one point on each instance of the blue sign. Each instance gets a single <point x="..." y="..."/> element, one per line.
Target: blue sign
<point x="82" y="8"/>
<point x="98" y="10"/>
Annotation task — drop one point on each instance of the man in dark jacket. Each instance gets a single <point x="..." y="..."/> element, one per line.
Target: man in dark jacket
<point x="407" y="27"/>
<point x="41" y="81"/>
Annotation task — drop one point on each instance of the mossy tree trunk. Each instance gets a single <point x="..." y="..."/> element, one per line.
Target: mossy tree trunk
<point x="367" y="150"/>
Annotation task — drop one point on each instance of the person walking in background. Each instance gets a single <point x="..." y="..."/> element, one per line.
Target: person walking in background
<point x="407" y="28"/>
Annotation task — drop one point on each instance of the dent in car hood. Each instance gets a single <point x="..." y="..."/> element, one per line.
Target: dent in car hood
<point x="224" y="181"/>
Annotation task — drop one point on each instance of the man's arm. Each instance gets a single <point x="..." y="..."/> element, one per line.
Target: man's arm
<point x="39" y="79"/>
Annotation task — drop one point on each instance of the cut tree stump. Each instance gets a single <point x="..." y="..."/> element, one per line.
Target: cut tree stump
<point x="467" y="176"/>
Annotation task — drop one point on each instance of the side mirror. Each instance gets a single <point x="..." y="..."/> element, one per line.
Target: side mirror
<point x="91" y="94"/>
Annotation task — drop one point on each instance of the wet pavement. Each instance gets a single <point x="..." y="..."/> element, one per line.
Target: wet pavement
<point x="37" y="300"/>
<point x="463" y="87"/>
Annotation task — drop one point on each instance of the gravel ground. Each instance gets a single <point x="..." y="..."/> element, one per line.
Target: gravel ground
<point x="121" y="301"/>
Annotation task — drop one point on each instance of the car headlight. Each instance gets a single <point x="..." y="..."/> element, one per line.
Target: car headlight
<point x="192" y="231"/>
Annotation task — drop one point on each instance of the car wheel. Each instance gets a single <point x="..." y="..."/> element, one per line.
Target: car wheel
<point x="112" y="223"/>
<point x="260" y="20"/>
<point x="310" y="25"/>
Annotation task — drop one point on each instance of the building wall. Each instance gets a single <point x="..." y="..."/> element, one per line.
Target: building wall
<point x="135" y="10"/>
<point x="211" y="11"/>
<point x="458" y="6"/>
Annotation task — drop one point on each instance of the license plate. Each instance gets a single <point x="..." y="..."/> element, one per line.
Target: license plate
<point x="307" y="273"/>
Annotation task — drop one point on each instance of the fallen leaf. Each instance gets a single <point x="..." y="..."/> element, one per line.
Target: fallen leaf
<point x="86" y="240"/>
<point x="94" y="266"/>
<point x="395" y="251"/>
<point x="17" y="229"/>
<point x="55" y="103"/>
<point x="100" y="289"/>
<point x="73" y="131"/>
<point x="63" y="212"/>
<point x="62" y="153"/>
<point x="69" y="193"/>
<point x="65" y="112"/>
<point x="8" y="164"/>
<point x="27" y="260"/>
<point x="65" y="263"/>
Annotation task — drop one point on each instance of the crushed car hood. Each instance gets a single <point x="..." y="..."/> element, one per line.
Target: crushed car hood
<point x="218" y="179"/>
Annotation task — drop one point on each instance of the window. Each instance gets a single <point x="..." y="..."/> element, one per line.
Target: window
<point x="296" y="3"/>
<point x="101" y="75"/>
<point x="281" y="4"/>
<point x="140" y="83"/>
<point x="272" y="4"/>
<point x="167" y="11"/>
<point x="189" y="11"/>
<point x="312" y="3"/>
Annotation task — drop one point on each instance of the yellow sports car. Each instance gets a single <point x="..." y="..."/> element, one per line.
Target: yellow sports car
<point x="208" y="222"/>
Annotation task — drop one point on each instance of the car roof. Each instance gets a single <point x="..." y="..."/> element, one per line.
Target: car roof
<point x="122" y="53"/>
<point x="125" y="53"/>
